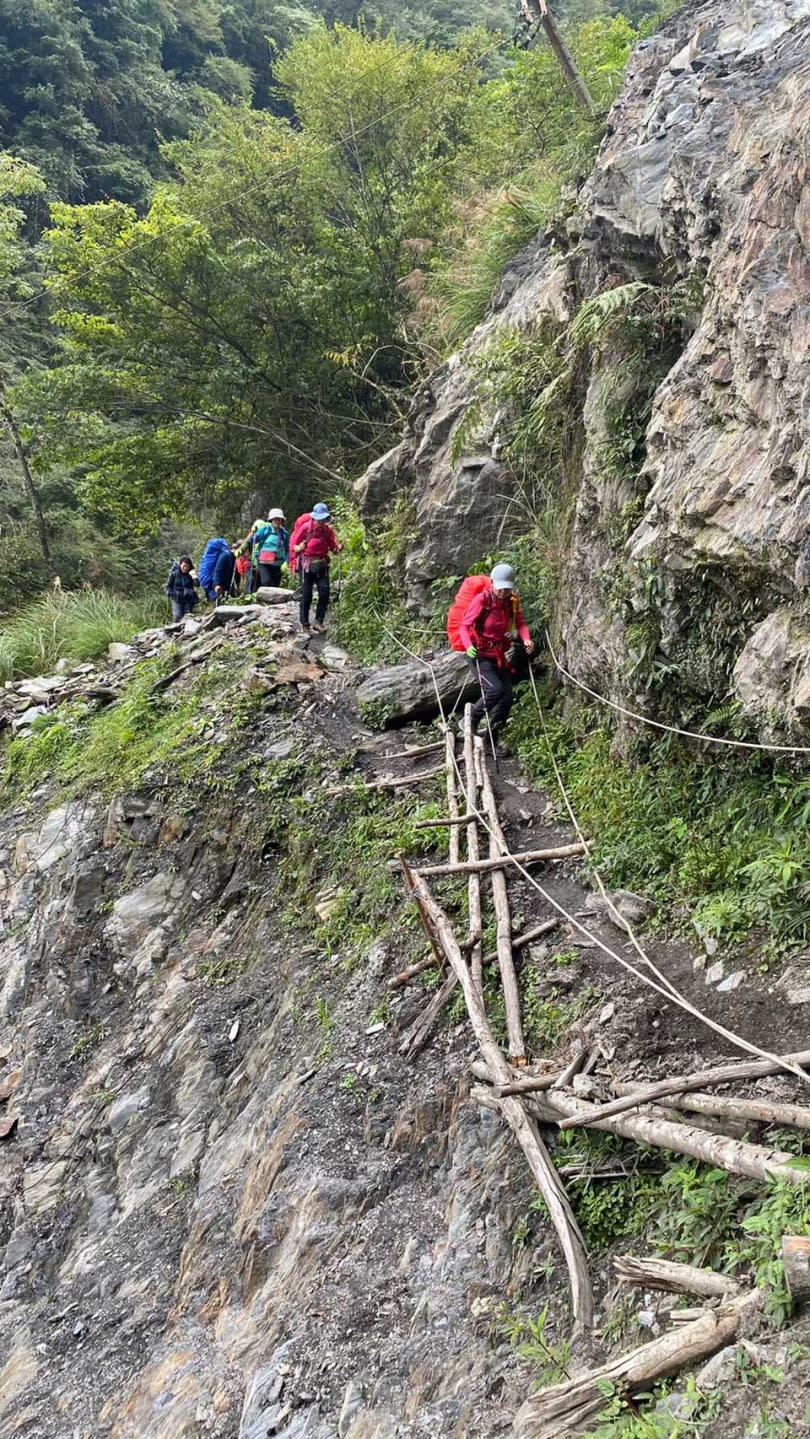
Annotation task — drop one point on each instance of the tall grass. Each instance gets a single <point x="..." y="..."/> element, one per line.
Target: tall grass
<point x="71" y="626"/>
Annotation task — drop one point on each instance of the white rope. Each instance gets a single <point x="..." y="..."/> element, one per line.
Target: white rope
<point x="665" y="989"/>
<point x="668" y="728"/>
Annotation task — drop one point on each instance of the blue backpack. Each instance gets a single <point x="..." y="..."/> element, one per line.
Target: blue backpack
<point x="208" y="563"/>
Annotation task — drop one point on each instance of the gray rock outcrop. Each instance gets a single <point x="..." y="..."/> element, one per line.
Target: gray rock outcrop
<point x="701" y="183"/>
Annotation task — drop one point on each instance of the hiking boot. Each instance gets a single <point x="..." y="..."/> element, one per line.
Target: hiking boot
<point x="319" y="628"/>
<point x="305" y="628"/>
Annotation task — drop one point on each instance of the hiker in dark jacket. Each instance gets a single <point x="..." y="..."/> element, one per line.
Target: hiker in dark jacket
<point x="181" y="588"/>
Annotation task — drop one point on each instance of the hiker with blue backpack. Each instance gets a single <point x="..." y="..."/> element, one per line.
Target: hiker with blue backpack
<point x="486" y="623"/>
<point x="217" y="570"/>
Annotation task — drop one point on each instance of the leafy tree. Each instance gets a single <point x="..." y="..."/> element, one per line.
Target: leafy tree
<point x="245" y="335"/>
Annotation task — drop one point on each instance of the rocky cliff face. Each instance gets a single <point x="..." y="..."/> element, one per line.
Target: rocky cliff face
<point x="228" y="1207"/>
<point x="701" y="181"/>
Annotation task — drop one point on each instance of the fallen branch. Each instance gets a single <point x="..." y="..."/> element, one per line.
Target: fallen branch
<point x="755" y="1111"/>
<point x="398" y="783"/>
<point x="473" y="853"/>
<point x="406" y="975"/>
<point x="512" y="1109"/>
<point x="452" y="793"/>
<point x="497" y="861"/>
<point x="569" y="1407"/>
<point x="717" y="1150"/>
<point x="410" y="751"/>
<point x="498" y="847"/>
<point x="446" y="822"/>
<point x="420" y="1031"/>
<point x="796" y="1261"/>
<point x="675" y="1278"/>
<point x="699" y="1079"/>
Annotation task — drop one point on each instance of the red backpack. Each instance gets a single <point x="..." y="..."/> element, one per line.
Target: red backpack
<point x="298" y="536"/>
<point x="469" y="588"/>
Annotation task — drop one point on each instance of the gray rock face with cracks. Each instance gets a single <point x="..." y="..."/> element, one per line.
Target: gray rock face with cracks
<point x="702" y="174"/>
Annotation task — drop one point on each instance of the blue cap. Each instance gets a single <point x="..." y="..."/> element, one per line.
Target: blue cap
<point x="321" y="512"/>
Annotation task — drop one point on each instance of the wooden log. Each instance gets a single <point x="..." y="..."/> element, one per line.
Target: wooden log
<point x="497" y="860"/>
<point x="409" y="752"/>
<point x="682" y="1084"/>
<point x="675" y="1278"/>
<point x="473" y="852"/>
<point x="738" y="1157"/>
<point x="512" y="1108"/>
<point x="751" y="1111"/>
<point x="398" y="783"/>
<point x="420" y="1031"/>
<point x="452" y="792"/>
<point x="446" y="822"/>
<point x="534" y="1085"/>
<point x="569" y="1408"/>
<point x="796" y="1261"/>
<point x="413" y="970"/>
<point x="573" y="1067"/>
<point x="498" y="847"/>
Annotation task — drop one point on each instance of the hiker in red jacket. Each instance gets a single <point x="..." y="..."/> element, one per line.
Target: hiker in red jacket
<point x="486" y="633"/>
<point x="313" y="542"/>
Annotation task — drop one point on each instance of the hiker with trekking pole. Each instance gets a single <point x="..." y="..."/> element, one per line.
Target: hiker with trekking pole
<point x="486" y="623"/>
<point x="312" y="544"/>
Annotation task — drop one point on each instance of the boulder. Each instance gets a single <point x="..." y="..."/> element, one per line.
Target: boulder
<point x="269" y="595"/>
<point x="118" y="653"/>
<point x="401" y="693"/>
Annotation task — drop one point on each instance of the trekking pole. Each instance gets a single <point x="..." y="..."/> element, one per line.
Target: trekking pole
<point x="337" y="600"/>
<point x="486" y="715"/>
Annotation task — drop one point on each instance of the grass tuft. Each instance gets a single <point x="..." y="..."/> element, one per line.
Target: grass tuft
<point x="74" y="626"/>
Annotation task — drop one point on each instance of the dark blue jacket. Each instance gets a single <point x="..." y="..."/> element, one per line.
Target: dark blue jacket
<point x="181" y="586"/>
<point x="216" y="567"/>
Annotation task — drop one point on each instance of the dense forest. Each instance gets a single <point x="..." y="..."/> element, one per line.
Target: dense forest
<point x="234" y="237"/>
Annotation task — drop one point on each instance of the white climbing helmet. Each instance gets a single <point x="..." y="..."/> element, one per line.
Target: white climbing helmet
<point x="503" y="577"/>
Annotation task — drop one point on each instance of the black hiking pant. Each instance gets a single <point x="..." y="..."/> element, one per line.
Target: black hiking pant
<point x="309" y="582"/>
<point x="496" y="693"/>
<point x="270" y="575"/>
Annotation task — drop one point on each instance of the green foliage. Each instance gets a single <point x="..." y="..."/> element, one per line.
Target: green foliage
<point x="117" y="747"/>
<point x="531" y="130"/>
<point x="618" y="1206"/>
<point x="374" y="623"/>
<point x="74" y="627"/>
<point x="724" y="848"/>
<point x="168" y="389"/>
<point x="529" y="1338"/>
<point x="711" y="1217"/>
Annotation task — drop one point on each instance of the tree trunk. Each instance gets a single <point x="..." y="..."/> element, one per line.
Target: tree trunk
<point x="683" y="1083"/>
<point x="717" y="1150"/>
<point x="30" y="489"/>
<point x="674" y="1278"/>
<point x="498" y="847"/>
<point x="570" y="1407"/>
<point x="438" y="927"/>
<point x="473" y="855"/>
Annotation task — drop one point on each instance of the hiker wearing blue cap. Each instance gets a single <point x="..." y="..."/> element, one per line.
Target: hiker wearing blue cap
<point x="312" y="544"/>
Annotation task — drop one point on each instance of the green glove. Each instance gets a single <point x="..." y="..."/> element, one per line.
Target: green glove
<point x="472" y="653"/>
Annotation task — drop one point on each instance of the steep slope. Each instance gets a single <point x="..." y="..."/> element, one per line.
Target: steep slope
<point x="671" y="438"/>
<point x="230" y="1206"/>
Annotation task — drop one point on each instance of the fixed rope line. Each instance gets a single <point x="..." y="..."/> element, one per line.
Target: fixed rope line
<point x="667" y="992"/>
<point x="668" y="728"/>
<point x="204" y="215"/>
